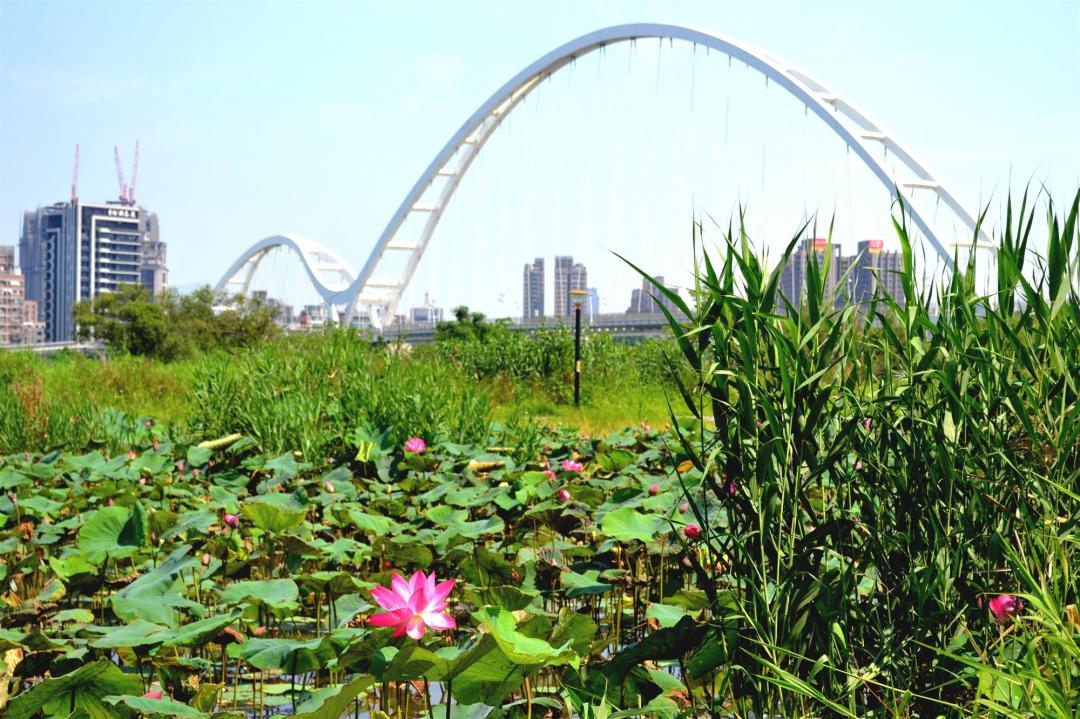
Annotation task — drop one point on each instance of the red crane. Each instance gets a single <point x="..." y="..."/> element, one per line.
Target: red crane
<point x="120" y="176"/>
<point x="134" y="175"/>
<point x="75" y="177"/>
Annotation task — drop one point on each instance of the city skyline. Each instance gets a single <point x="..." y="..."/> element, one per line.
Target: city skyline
<point x="214" y="170"/>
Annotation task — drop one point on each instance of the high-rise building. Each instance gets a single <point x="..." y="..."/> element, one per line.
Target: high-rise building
<point x="647" y="300"/>
<point x="873" y="268"/>
<point x="793" y="276"/>
<point x="532" y="289"/>
<point x="592" y="303"/>
<point x="563" y="265"/>
<point x="71" y="252"/>
<point x="12" y="288"/>
<point x="33" y="329"/>
<point x="577" y="280"/>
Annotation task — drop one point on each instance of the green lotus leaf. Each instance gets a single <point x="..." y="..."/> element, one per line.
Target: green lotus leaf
<point x="164" y="706"/>
<point x="135" y="634"/>
<point x="85" y="688"/>
<point x="199" y="632"/>
<point x="112" y="533"/>
<point x="626" y="524"/>
<point x="520" y="648"/>
<point x="277" y="593"/>
<point x="274" y="513"/>
<point x="288" y="655"/>
<point x="578" y="585"/>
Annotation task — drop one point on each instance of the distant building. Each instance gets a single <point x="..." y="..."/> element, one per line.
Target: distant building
<point x="793" y="276"/>
<point x="872" y="269"/>
<point x="592" y="302"/>
<point x="853" y="278"/>
<point x="33" y="329"/>
<point x="7" y="259"/>
<point x="532" y="289"/>
<point x="12" y="288"/>
<point x="644" y="301"/>
<point x="74" y="251"/>
<point x="426" y="315"/>
<point x="563" y="265"/>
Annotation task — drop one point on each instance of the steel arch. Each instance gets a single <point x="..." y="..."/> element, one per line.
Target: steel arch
<point x="849" y="123"/>
<point x="317" y="261"/>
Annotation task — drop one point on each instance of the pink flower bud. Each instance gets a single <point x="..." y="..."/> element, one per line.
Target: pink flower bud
<point x="654" y="490"/>
<point x="328" y="487"/>
<point x="149" y="423"/>
<point x="564" y="496"/>
<point x="231" y="520"/>
<point x="153" y="695"/>
<point x="206" y="558"/>
<point x="858" y="465"/>
<point x="1004" y="606"/>
<point x="550" y="475"/>
<point x="692" y="531"/>
<point x="142" y="480"/>
<point x="156" y="446"/>
<point x="131" y="454"/>
<point x="110" y="502"/>
<point x="195" y="473"/>
<point x="866" y="424"/>
<point x="684" y="507"/>
<point x="259" y="631"/>
<point x="570" y="465"/>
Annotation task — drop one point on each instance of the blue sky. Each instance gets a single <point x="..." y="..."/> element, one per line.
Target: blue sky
<point x="257" y="119"/>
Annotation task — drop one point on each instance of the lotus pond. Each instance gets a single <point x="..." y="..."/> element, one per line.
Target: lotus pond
<point x="864" y="512"/>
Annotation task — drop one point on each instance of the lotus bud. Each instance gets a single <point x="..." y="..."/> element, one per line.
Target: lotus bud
<point x="1004" y="606"/>
<point x="110" y="502"/>
<point x="692" y="531"/>
<point x="231" y="520"/>
<point x="206" y="558"/>
<point x="654" y="490"/>
<point x="131" y="454"/>
<point x="684" y="507"/>
<point x="328" y="487"/>
<point x="142" y="480"/>
<point x="564" y="496"/>
<point x="154" y="695"/>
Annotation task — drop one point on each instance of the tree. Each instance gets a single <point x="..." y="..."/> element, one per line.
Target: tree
<point x="130" y="321"/>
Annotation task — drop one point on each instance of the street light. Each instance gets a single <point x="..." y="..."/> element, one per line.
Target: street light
<point x="577" y="297"/>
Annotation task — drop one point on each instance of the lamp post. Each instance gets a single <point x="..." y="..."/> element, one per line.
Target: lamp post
<point x="577" y="297"/>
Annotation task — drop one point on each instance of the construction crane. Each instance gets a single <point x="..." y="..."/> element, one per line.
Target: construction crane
<point x="120" y="176"/>
<point x="75" y="177"/>
<point x="134" y="175"/>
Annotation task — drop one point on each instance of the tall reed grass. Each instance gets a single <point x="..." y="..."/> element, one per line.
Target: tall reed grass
<point x="875" y="475"/>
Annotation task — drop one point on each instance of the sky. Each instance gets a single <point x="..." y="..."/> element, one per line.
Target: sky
<point x="258" y="119"/>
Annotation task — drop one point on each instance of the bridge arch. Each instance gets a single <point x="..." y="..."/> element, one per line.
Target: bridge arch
<point x="330" y="275"/>
<point x="382" y="295"/>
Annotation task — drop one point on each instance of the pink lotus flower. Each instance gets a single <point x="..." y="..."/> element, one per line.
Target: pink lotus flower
<point x="570" y="465"/>
<point x="1004" y="606"/>
<point x="149" y="423"/>
<point x="692" y="531"/>
<point x="415" y="445"/>
<point x="131" y="454"/>
<point x="154" y="695"/>
<point x="110" y="502"/>
<point x="142" y="480"/>
<point x="328" y="487"/>
<point x="564" y="495"/>
<point x="231" y="520"/>
<point x="866" y="424"/>
<point x="206" y="558"/>
<point x="858" y="465"/>
<point x="654" y="490"/>
<point x="550" y="475"/>
<point x="684" y="507"/>
<point x="413" y="606"/>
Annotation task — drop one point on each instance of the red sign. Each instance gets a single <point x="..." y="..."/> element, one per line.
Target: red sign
<point x="820" y="243"/>
<point x="875" y="246"/>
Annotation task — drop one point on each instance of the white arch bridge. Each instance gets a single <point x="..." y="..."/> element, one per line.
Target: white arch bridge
<point x="377" y="297"/>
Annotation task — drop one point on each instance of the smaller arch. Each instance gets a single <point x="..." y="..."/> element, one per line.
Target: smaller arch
<point x="329" y="274"/>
